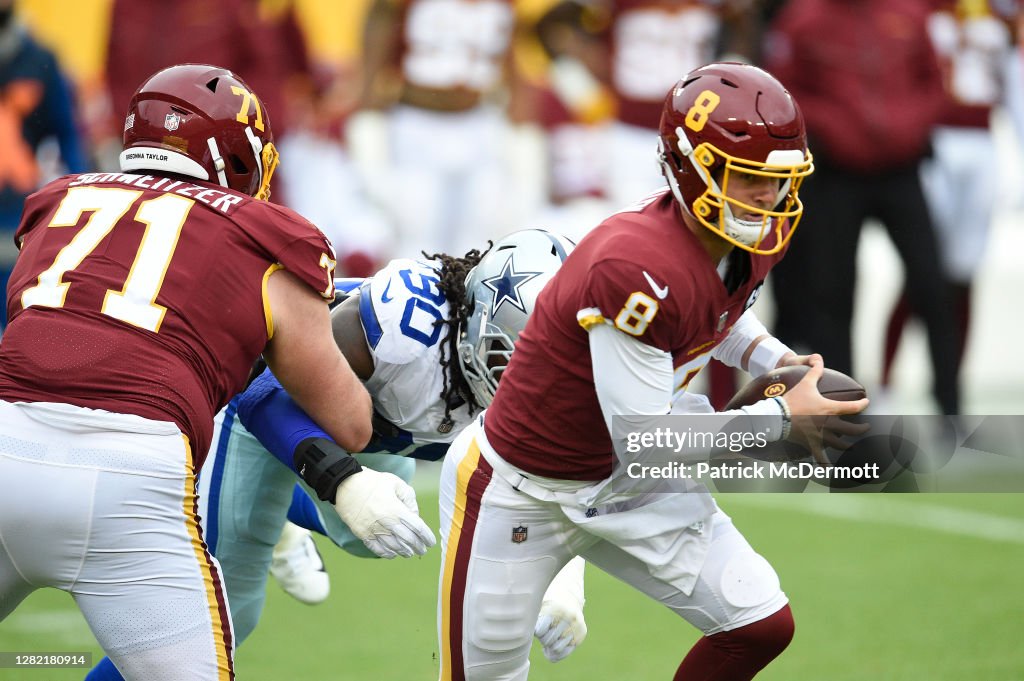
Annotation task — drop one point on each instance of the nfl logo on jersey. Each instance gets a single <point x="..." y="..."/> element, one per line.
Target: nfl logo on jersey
<point x="519" y="534"/>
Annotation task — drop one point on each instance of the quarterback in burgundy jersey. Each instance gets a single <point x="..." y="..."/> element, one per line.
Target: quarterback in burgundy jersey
<point x="138" y="303"/>
<point x="636" y="310"/>
<point x="644" y="262"/>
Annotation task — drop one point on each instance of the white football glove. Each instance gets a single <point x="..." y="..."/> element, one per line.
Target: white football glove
<point x="380" y="509"/>
<point x="560" y="625"/>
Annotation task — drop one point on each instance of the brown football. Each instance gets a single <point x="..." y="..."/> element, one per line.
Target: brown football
<point x="834" y="385"/>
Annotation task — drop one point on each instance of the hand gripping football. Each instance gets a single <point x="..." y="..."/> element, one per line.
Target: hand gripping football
<point x="834" y="385"/>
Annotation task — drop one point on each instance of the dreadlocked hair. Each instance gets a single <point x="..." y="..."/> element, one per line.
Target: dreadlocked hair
<point x="453" y="285"/>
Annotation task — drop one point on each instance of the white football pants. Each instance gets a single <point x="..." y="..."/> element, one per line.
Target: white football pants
<point x="501" y="548"/>
<point x="102" y="506"/>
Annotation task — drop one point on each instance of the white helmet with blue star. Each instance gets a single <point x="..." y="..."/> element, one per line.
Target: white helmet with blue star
<point x="502" y="290"/>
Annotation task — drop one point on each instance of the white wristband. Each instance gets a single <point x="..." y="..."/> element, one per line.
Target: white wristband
<point x="766" y="356"/>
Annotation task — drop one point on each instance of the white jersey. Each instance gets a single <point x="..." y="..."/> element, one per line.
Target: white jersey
<point x="401" y="308"/>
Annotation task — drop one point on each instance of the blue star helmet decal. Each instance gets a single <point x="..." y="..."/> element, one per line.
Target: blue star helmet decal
<point x="506" y="286"/>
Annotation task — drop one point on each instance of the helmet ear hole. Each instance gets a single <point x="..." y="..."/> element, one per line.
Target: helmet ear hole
<point x="237" y="165"/>
<point x="677" y="160"/>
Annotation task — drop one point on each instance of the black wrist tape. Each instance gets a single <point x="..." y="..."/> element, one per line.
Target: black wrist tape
<point x="324" y="465"/>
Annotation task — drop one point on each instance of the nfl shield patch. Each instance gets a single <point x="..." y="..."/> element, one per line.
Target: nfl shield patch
<point x="519" y="534"/>
<point x="172" y="121"/>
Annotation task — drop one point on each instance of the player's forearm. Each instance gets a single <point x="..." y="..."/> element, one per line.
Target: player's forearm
<point x="272" y="416"/>
<point x="286" y="431"/>
<point x="305" y="359"/>
<point x="333" y="397"/>
<point x="750" y="347"/>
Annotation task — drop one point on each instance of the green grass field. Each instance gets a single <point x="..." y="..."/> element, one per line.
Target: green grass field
<point x="883" y="587"/>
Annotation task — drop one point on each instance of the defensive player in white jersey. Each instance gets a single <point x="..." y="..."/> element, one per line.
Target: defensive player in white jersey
<point x="639" y="307"/>
<point x="401" y="331"/>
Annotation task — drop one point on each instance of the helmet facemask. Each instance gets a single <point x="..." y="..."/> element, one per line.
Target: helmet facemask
<point x="484" y="352"/>
<point x="267" y="159"/>
<point x="718" y="211"/>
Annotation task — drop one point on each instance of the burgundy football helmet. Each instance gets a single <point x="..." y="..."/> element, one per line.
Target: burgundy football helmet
<point x="201" y="121"/>
<point x="726" y="119"/>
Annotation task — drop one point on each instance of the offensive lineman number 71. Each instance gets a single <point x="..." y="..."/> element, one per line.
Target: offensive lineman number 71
<point x="135" y="303"/>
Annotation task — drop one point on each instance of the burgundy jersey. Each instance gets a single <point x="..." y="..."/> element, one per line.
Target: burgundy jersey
<point x="146" y="295"/>
<point x="643" y="270"/>
<point x="654" y="43"/>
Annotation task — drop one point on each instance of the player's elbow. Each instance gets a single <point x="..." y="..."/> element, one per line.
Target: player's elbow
<point x="361" y="429"/>
<point x="358" y="441"/>
<point x="358" y="427"/>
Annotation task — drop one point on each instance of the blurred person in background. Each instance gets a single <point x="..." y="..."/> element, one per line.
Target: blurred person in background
<point x="326" y="186"/>
<point x="429" y="139"/>
<point x="320" y="86"/>
<point x="646" y="46"/>
<point x="571" y="107"/>
<point x="36" y="104"/>
<point x="974" y="42"/>
<point x="223" y="33"/>
<point x="869" y="83"/>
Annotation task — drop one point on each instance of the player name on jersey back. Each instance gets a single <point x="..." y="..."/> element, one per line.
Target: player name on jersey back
<point x="223" y="201"/>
